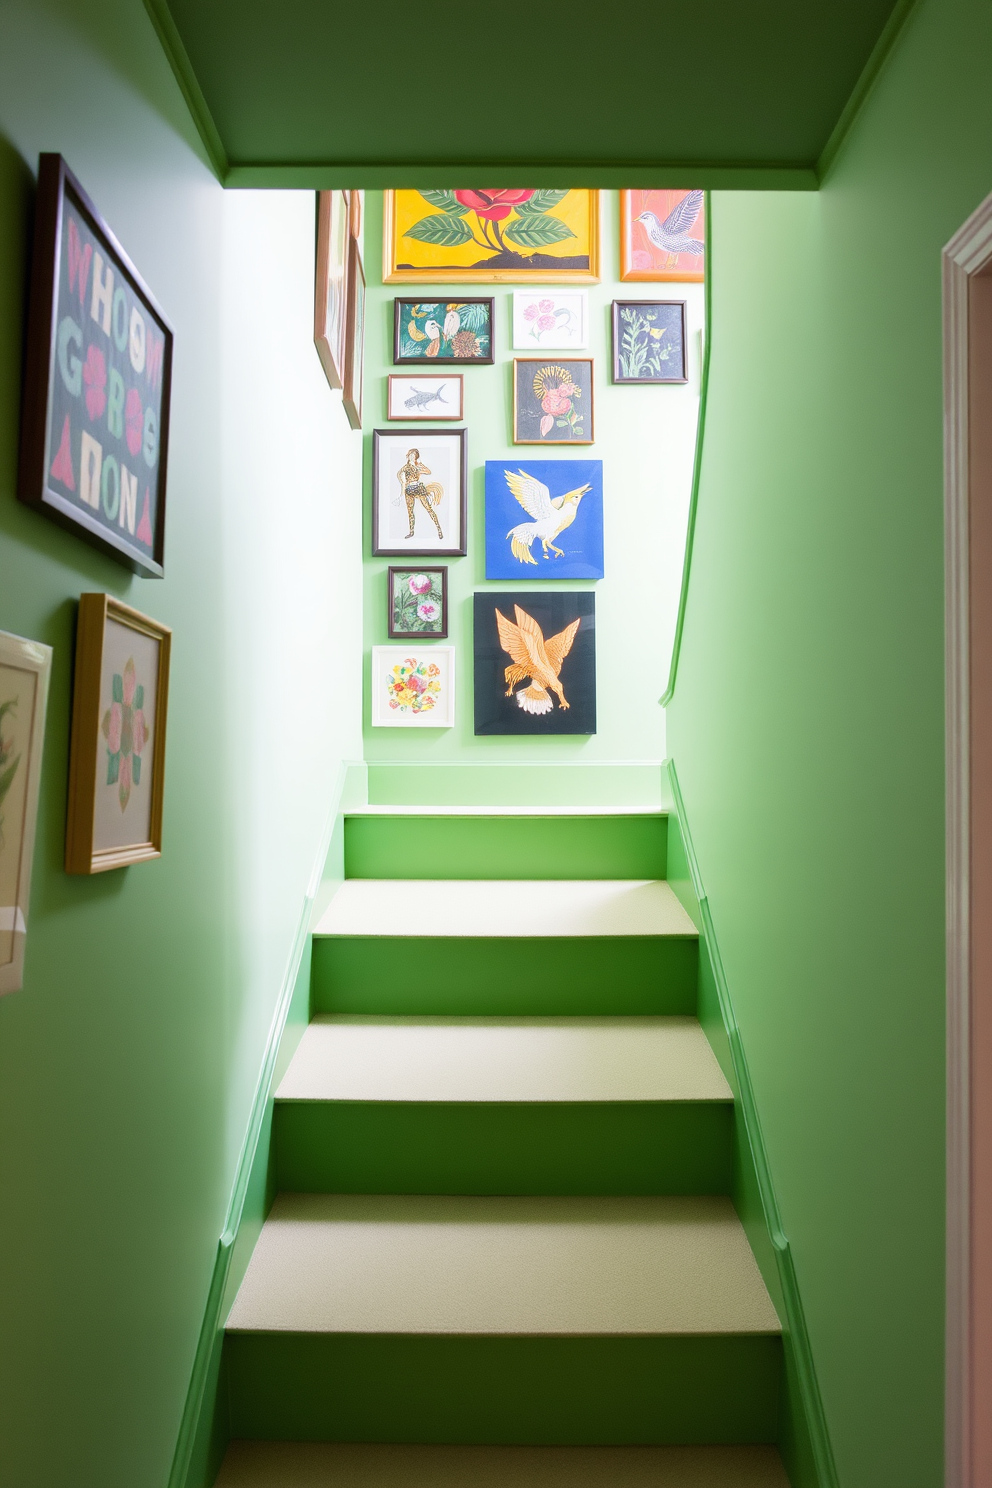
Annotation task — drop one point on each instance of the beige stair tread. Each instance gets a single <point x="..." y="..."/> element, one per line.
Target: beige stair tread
<point x="385" y="1263"/>
<point x="268" y="1464"/>
<point x="500" y="907"/>
<point x="355" y="1057"/>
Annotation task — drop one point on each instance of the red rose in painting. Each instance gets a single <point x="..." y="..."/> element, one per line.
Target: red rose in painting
<point x="493" y="206"/>
<point x="95" y="378"/>
<point x="133" y="420"/>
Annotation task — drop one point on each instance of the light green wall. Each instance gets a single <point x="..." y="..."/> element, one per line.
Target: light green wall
<point x="807" y="719"/>
<point x="128" y="1061"/>
<point x="645" y="438"/>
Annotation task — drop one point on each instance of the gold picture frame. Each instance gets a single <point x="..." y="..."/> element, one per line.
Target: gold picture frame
<point x="464" y="229"/>
<point x="330" y="306"/>
<point x="25" y="669"/>
<point x="117" y="749"/>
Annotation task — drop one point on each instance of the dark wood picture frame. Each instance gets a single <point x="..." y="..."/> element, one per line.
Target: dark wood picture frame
<point x="81" y="853"/>
<point x="416" y="436"/>
<point x="587" y="409"/>
<point x="65" y="396"/>
<point x="417" y="635"/>
<point x="330" y="300"/>
<point x="619" y="376"/>
<point x="400" y="318"/>
<point x="354" y="355"/>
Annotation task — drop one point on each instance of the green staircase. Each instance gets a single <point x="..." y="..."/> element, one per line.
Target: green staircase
<point x="503" y="1249"/>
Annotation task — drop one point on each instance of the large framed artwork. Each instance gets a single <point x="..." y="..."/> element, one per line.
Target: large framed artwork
<point x="419" y="493"/>
<point x="544" y="519"/>
<point x="25" y="667"/>
<point x="440" y="399"/>
<point x="117" y="749"/>
<point x="435" y="332"/>
<point x="552" y="401"/>
<point x="490" y="236"/>
<point x="97" y="381"/>
<point x="330" y="311"/>
<point x="413" y="686"/>
<point x="550" y="319"/>
<point x="663" y="236"/>
<point x="418" y="603"/>
<point x="535" y="662"/>
<point x="354" y="354"/>
<point x="649" y="341"/>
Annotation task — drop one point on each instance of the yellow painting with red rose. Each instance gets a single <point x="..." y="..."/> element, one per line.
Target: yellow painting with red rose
<point x="497" y="235"/>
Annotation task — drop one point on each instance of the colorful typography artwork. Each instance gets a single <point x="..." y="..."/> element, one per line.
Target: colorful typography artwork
<point x="493" y="235"/>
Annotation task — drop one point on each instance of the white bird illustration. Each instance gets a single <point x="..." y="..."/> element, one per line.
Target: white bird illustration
<point x="451" y="323"/>
<point x="673" y="235"/>
<point x="433" y="332"/>
<point x="551" y="514"/>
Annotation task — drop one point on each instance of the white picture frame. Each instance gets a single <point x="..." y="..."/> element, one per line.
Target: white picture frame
<point x="550" y="319"/>
<point x="397" y="704"/>
<point x="25" y="669"/>
<point x="433" y="399"/>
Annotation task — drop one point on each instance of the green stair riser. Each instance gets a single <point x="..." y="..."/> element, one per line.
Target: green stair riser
<point x="573" y="847"/>
<point x="531" y="1390"/>
<point x="580" y="1147"/>
<point x="504" y="975"/>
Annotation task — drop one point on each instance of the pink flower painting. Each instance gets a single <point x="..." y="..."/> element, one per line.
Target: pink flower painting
<point x="126" y="731"/>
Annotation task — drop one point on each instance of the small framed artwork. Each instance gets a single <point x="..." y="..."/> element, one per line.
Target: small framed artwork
<point x="418" y="602"/>
<point x="413" y="687"/>
<point x="663" y="236"/>
<point x="25" y="667"/>
<point x="440" y="399"/>
<point x="535" y="663"/>
<point x="552" y="401"/>
<point x="440" y="331"/>
<point x="649" y="343"/>
<point x="97" y="382"/>
<point x="117" y="749"/>
<point x="544" y="519"/>
<point x="550" y="320"/>
<point x="330" y="312"/>
<point x="354" y="359"/>
<point x="419" y="493"/>
<point x="357" y="201"/>
<point x="478" y="237"/>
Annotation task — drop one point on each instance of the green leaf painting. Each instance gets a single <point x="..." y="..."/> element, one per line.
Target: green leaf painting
<point x="508" y="227"/>
<point x="543" y="201"/>
<point x="445" y="232"/>
<point x="537" y="232"/>
<point x="445" y="201"/>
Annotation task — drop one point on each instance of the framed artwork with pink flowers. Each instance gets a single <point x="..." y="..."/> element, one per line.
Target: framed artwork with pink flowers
<point x="97" y="382"/>
<point x="418" y="602"/>
<point x="549" y="320"/>
<point x="117" y="748"/>
<point x="413" y="686"/>
<point x="552" y="400"/>
<point x="493" y="236"/>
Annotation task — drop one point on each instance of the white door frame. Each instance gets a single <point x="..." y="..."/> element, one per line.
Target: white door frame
<point x="967" y="276"/>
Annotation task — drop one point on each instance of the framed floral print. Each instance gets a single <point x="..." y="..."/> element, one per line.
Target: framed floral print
<point x="418" y="602"/>
<point x="663" y="236"/>
<point x="97" y="382"/>
<point x="330" y="311"/>
<point x="490" y="236"/>
<point x="440" y="399"/>
<point x="552" y="401"/>
<point x="412" y="686"/>
<point x="419" y="493"/>
<point x="649" y="342"/>
<point x="117" y="748"/>
<point x="436" y="332"/>
<point x="550" y="320"/>
<point x="25" y="667"/>
<point x="354" y="358"/>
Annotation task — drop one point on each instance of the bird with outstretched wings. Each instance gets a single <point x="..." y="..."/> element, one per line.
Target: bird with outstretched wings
<point x="552" y="514"/>
<point x="534" y="657"/>
<point x="674" y="235"/>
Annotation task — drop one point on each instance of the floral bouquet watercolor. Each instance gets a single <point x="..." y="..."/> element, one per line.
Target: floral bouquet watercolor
<point x="413" y="686"/>
<point x="126" y="731"/>
<point x="417" y="603"/>
<point x="7" y="771"/>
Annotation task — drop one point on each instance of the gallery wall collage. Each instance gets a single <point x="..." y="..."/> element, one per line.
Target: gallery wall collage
<point x="488" y="277"/>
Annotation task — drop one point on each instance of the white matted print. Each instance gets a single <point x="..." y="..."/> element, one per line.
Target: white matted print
<point x="413" y="686"/>
<point x="551" y="319"/>
<point x="419" y="492"/>
<point x="24" y="671"/>
<point x="437" y="399"/>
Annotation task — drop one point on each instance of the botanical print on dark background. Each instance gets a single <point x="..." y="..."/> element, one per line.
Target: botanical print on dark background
<point x="535" y="662"/>
<point x="649" y="341"/>
<point x="417" y="602"/>
<point x="552" y="401"/>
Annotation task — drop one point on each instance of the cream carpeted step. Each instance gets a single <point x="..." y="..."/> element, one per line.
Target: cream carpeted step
<point x="263" y="1464"/>
<point x="388" y="1264"/>
<point x="366" y="1058"/>
<point x="498" y="907"/>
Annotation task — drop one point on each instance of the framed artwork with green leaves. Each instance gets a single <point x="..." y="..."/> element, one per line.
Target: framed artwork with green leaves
<point x="490" y="236"/>
<point x="649" y="341"/>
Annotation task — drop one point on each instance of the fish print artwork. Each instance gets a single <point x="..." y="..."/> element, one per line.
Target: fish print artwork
<point x="440" y="399"/>
<point x="441" y="332"/>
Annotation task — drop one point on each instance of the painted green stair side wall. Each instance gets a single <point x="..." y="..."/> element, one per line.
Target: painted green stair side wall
<point x="515" y="847"/>
<point x="549" y="1147"/>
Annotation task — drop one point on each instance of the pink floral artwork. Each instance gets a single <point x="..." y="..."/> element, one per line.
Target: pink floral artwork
<point x="126" y="731"/>
<point x="549" y="319"/>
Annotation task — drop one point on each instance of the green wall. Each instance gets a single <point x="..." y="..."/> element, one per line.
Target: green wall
<point x="645" y="437"/>
<point x="129" y="1059"/>
<point x="808" y="716"/>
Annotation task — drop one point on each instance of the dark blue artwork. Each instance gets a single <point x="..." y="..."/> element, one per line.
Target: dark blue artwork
<point x="544" y="519"/>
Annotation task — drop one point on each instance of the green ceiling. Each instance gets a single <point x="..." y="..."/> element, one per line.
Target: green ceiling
<point x="402" y="92"/>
